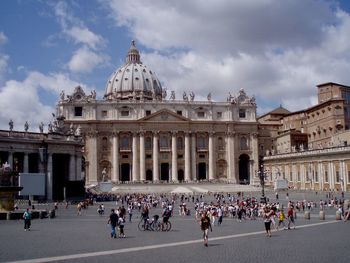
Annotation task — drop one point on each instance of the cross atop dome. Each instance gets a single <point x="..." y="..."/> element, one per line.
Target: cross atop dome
<point x="133" y="54"/>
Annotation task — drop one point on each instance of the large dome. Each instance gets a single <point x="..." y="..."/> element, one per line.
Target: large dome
<point x="133" y="80"/>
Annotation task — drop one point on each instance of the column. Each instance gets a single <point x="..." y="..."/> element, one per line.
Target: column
<point x="193" y="158"/>
<point x="115" y="158"/>
<point x="320" y="175"/>
<point x="10" y="159"/>
<point x="211" y="157"/>
<point x="135" y="166"/>
<point x="49" y="177"/>
<point x="231" y="157"/>
<point x="173" y="158"/>
<point x="331" y="175"/>
<point x="302" y="176"/>
<point x="92" y="152"/>
<point x="78" y="167"/>
<point x="345" y="177"/>
<point x="72" y="174"/>
<point x="187" y="158"/>
<point x="26" y="163"/>
<point x="255" y="156"/>
<point x="142" y="157"/>
<point x="155" y="157"/>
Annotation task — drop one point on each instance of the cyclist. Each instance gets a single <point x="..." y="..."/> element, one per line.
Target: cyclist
<point x="144" y="214"/>
<point x="166" y="214"/>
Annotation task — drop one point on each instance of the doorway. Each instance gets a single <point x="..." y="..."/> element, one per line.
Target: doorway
<point x="244" y="169"/>
<point x="125" y="172"/>
<point x="164" y="172"/>
<point x="202" y="171"/>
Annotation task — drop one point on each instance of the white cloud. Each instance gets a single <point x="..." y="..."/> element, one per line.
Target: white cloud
<point x="20" y="100"/>
<point x="85" y="60"/>
<point x="276" y="50"/>
<point x="3" y="67"/>
<point x="74" y="28"/>
<point x="3" y="38"/>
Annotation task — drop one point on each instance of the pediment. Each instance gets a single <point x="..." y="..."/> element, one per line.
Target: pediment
<point x="164" y="116"/>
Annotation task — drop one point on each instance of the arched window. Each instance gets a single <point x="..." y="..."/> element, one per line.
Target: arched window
<point x="221" y="145"/>
<point x="125" y="142"/>
<point x="180" y="143"/>
<point x="164" y="141"/>
<point x="104" y="144"/>
<point x="148" y="143"/>
<point x="201" y="142"/>
<point x="244" y="143"/>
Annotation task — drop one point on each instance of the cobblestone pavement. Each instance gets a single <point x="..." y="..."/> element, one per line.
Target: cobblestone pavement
<point x="72" y="238"/>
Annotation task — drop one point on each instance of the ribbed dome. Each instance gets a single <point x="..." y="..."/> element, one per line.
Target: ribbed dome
<point x="133" y="80"/>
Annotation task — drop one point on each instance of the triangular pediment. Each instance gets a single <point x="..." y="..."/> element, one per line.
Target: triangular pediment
<point x="165" y="115"/>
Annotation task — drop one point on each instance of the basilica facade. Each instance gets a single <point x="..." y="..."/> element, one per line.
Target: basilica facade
<point x="140" y="132"/>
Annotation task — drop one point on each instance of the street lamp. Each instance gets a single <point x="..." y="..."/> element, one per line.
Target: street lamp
<point x="262" y="175"/>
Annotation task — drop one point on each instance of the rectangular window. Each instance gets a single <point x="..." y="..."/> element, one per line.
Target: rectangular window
<point x="78" y="111"/>
<point x="148" y="156"/>
<point x="202" y="156"/>
<point x="148" y="112"/>
<point x="124" y="156"/>
<point x="242" y="113"/>
<point x="337" y="177"/>
<point x="179" y="112"/>
<point x="200" y="114"/>
<point x="125" y="113"/>
<point x="326" y="176"/>
<point x="180" y="156"/>
<point x="291" y="176"/>
<point x="104" y="113"/>
<point x="219" y="115"/>
<point x="316" y="176"/>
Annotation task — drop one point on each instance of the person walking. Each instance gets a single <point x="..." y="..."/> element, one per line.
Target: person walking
<point x="130" y="212"/>
<point x="26" y="217"/>
<point x="281" y="217"/>
<point x="112" y="221"/>
<point x="290" y="216"/>
<point x="267" y="220"/>
<point x="205" y="225"/>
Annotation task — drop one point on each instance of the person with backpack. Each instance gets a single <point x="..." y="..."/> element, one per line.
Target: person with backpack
<point x="26" y="217"/>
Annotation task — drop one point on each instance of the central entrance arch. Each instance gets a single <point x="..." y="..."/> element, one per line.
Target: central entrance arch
<point x="202" y="171"/>
<point x="164" y="172"/>
<point x="125" y="172"/>
<point x="149" y="175"/>
<point x="180" y="175"/>
<point x="244" y="177"/>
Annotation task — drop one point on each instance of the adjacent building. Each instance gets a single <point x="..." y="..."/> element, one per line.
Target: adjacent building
<point x="309" y="147"/>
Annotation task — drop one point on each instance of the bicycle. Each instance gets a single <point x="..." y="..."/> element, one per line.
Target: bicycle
<point x="165" y="226"/>
<point x="152" y="225"/>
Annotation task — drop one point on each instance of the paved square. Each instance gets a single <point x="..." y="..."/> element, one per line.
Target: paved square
<point x="86" y="238"/>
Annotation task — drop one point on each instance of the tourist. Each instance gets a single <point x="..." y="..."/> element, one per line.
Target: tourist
<point x="79" y="205"/>
<point x="290" y="216"/>
<point x="121" y="222"/>
<point x="267" y="220"/>
<point x="26" y="217"/>
<point x="281" y="217"/>
<point x="130" y="212"/>
<point x="112" y="221"/>
<point x="205" y="225"/>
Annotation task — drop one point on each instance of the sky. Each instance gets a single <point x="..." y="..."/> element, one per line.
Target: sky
<point x="277" y="51"/>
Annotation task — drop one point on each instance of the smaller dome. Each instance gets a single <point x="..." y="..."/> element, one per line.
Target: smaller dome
<point x="133" y="80"/>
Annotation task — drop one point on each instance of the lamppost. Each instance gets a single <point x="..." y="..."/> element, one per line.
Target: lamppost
<point x="262" y="175"/>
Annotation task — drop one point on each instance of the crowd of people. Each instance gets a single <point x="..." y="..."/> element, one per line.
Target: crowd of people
<point x="209" y="209"/>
